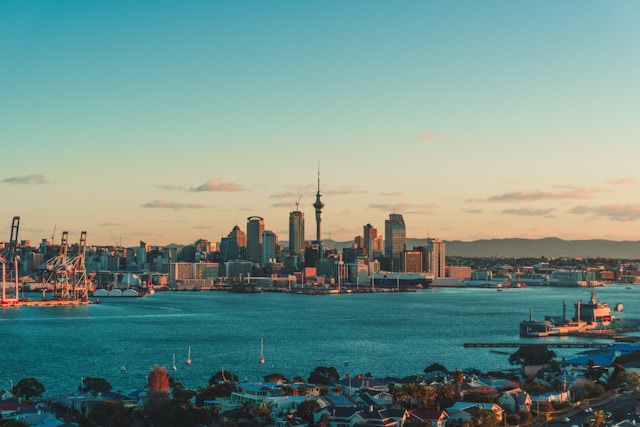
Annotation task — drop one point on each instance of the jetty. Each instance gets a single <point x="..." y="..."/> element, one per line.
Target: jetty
<point x="553" y="345"/>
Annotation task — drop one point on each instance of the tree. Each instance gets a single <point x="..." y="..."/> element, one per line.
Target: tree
<point x="274" y="378"/>
<point x="534" y="354"/>
<point x="109" y="413"/>
<point x="94" y="386"/>
<point x="306" y="409"/>
<point x="223" y="377"/>
<point x="28" y="388"/>
<point x="484" y="418"/>
<point x="159" y="381"/>
<point x="323" y="375"/>
<point x="435" y="367"/>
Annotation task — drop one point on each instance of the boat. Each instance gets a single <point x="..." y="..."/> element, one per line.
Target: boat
<point x="261" y="360"/>
<point x="189" y="356"/>
<point x="174" y="367"/>
<point x="400" y="281"/>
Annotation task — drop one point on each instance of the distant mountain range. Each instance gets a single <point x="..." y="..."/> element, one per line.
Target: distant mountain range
<point x="548" y="247"/>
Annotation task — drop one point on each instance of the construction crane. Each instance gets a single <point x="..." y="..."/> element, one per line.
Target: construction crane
<point x="298" y="203"/>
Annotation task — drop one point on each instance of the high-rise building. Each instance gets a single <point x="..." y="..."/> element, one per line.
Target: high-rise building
<point x="369" y="235"/>
<point x="255" y="227"/>
<point x="269" y="244"/>
<point x="395" y="239"/>
<point x="233" y="246"/>
<point x="434" y="258"/>
<point x="296" y="233"/>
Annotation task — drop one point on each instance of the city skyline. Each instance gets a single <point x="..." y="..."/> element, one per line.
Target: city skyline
<point x="178" y="121"/>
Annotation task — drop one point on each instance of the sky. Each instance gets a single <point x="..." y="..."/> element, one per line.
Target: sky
<point x="168" y="121"/>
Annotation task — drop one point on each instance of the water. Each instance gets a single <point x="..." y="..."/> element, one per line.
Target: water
<point x="395" y="334"/>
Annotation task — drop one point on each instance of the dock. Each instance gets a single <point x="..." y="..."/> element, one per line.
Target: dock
<point x="553" y="345"/>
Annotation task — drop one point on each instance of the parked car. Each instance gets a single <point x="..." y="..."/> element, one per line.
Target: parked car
<point x="566" y="420"/>
<point x="588" y="410"/>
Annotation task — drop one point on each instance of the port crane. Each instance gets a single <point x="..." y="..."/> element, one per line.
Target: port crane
<point x="67" y="276"/>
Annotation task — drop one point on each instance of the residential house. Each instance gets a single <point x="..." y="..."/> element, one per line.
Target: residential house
<point x="462" y="412"/>
<point x="515" y="400"/>
<point x="374" y="398"/>
<point x="340" y="416"/>
<point x="429" y="417"/>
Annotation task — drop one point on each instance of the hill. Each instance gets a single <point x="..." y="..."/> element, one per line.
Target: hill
<point x="551" y="247"/>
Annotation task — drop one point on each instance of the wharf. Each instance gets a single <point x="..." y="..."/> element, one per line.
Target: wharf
<point x="554" y="345"/>
<point x="44" y="303"/>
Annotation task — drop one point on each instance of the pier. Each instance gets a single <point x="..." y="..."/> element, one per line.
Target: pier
<point x="553" y="345"/>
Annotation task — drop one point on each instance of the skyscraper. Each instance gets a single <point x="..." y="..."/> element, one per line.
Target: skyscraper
<point x="255" y="227"/>
<point x="296" y="233"/>
<point x="434" y="258"/>
<point x="369" y="235"/>
<point x="269" y="242"/>
<point x="318" y="205"/>
<point x="395" y="239"/>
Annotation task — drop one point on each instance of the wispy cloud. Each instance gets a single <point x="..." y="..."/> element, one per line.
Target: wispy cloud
<point x="429" y="135"/>
<point x="344" y="190"/>
<point x="165" y="204"/>
<point x="473" y="211"/>
<point x="215" y="185"/>
<point x="27" y="179"/>
<point x="528" y="196"/>
<point x="171" y="187"/>
<point x="622" y="213"/>
<point x="622" y="181"/>
<point x="110" y="224"/>
<point x="393" y="193"/>
<point x="404" y="207"/>
<point x="527" y="211"/>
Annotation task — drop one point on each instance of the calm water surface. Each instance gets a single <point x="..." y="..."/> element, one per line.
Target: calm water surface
<point x="394" y="334"/>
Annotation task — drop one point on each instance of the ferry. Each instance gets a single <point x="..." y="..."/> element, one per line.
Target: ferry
<point x="400" y="281"/>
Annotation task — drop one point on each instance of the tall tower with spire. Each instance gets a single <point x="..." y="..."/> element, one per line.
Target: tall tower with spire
<point x="318" y="205"/>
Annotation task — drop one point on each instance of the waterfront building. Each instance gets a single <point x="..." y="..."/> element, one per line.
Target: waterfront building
<point x="238" y="269"/>
<point x="411" y="261"/>
<point x="296" y="233"/>
<point x="269" y="245"/>
<point x="255" y="227"/>
<point x="395" y="239"/>
<point x="434" y="261"/>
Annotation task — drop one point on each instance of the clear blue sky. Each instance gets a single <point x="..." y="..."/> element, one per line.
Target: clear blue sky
<point x="169" y="121"/>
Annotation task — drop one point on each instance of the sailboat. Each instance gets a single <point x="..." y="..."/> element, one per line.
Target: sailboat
<point x="174" y="367"/>
<point x="261" y="360"/>
<point x="189" y="356"/>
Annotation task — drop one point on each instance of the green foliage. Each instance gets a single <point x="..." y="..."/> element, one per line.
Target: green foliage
<point x="13" y="423"/>
<point x="484" y="418"/>
<point x="213" y="392"/>
<point x="323" y="375"/>
<point x="108" y="413"/>
<point x="306" y="409"/>
<point x="483" y="395"/>
<point x="535" y="354"/>
<point x="28" y="388"/>
<point x="434" y="367"/>
<point x="170" y="413"/>
<point x="274" y="377"/>
<point x="94" y="386"/>
<point x="586" y="390"/>
<point x="534" y="387"/>
<point x="223" y="377"/>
